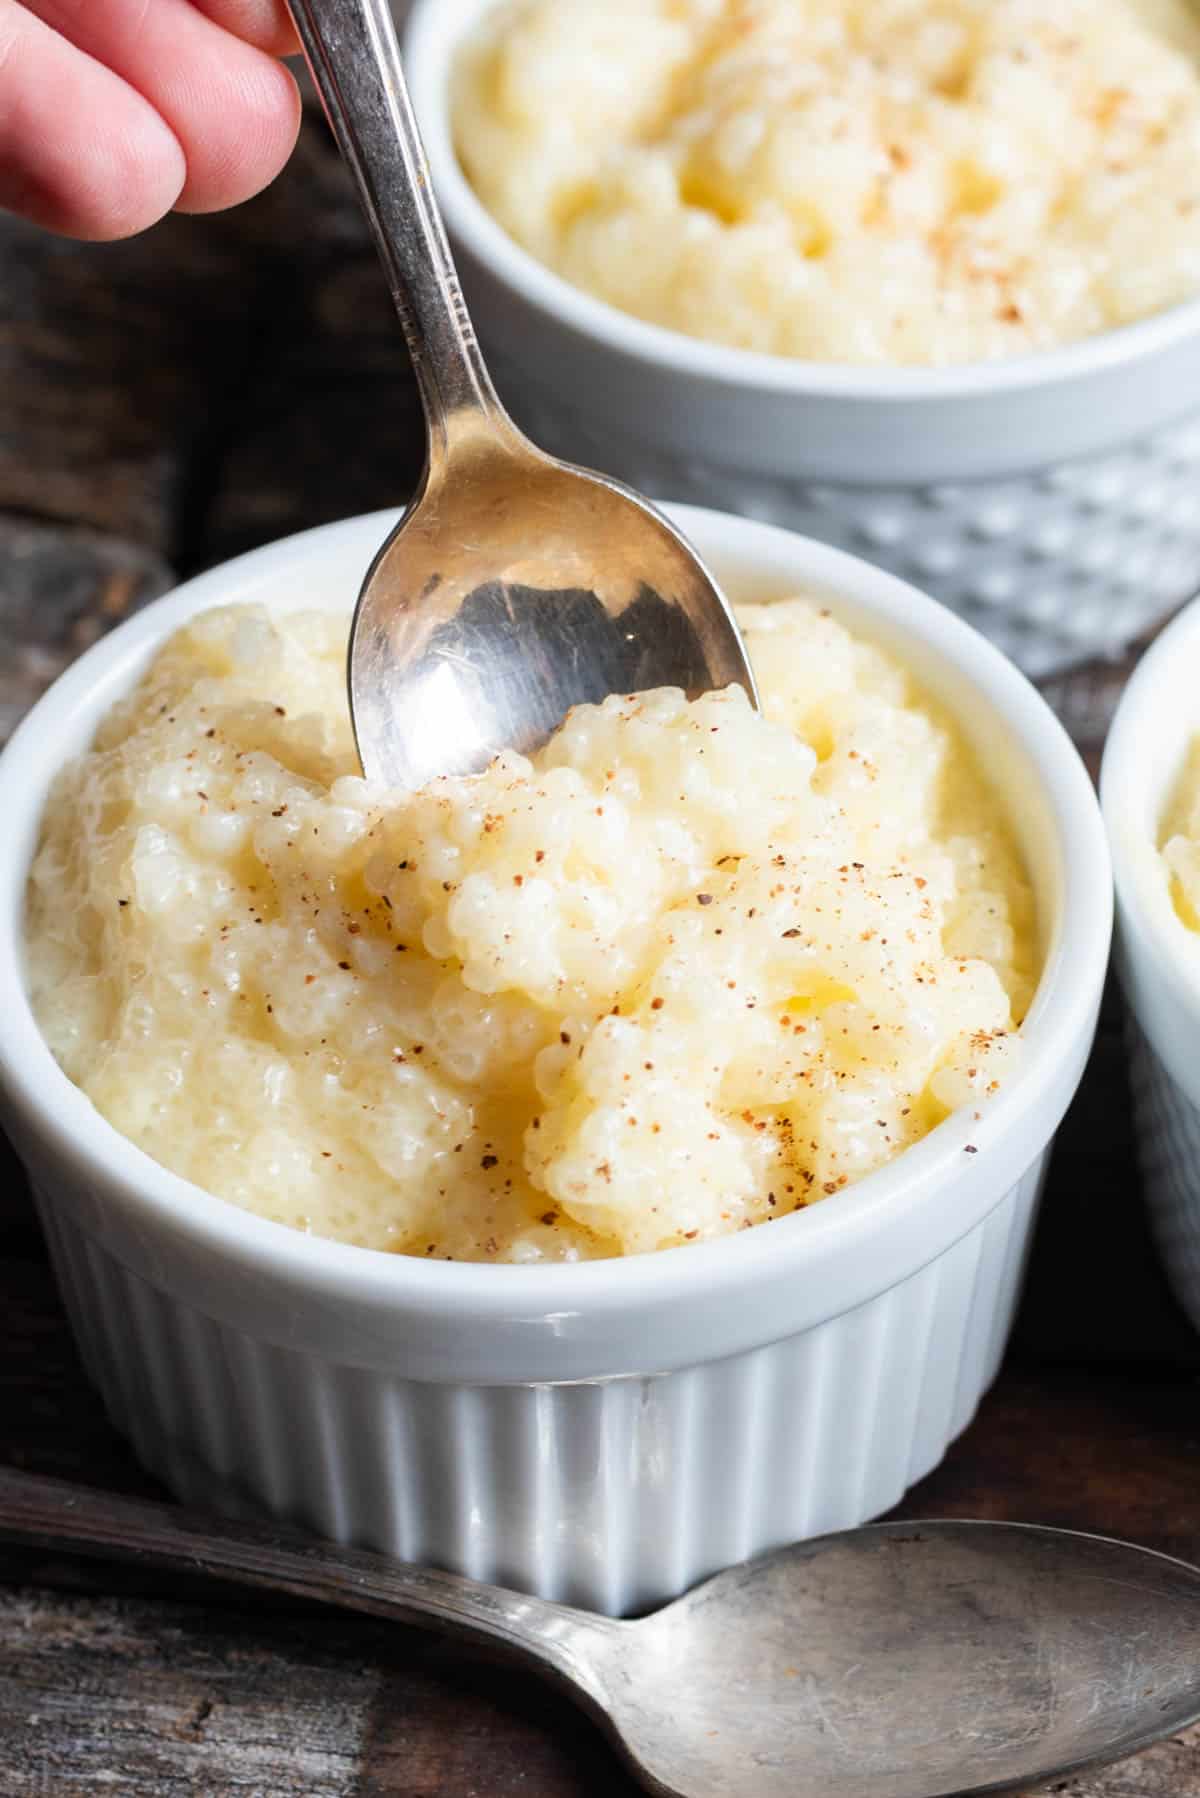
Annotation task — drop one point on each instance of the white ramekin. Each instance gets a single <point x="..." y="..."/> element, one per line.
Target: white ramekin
<point x="1053" y="500"/>
<point x="1157" y="955"/>
<point x="610" y="1432"/>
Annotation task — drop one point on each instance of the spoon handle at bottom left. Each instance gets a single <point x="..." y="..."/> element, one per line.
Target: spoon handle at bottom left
<point x="56" y="1515"/>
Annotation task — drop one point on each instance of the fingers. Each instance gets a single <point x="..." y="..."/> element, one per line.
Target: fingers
<point x="266" y="24"/>
<point x="233" y="109"/>
<point x="81" y="151"/>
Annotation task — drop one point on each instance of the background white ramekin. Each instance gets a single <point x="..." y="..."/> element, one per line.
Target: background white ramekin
<point x="1158" y="957"/>
<point x="606" y="1433"/>
<point x="1053" y="500"/>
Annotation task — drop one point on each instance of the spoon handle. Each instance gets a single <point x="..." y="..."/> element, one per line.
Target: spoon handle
<point x="57" y="1515"/>
<point x="352" y="52"/>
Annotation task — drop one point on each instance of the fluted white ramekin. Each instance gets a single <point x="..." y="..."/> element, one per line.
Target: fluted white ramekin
<point x="1158" y="956"/>
<point x="1053" y="500"/>
<point x="608" y="1432"/>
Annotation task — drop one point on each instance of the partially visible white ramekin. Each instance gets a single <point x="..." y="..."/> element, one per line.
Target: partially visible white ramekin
<point x="1053" y="500"/>
<point x="610" y="1432"/>
<point x="1158" y="957"/>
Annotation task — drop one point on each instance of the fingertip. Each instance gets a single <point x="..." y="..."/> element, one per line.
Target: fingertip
<point x="82" y="153"/>
<point x="147" y="174"/>
<point x="232" y="112"/>
<point x="250" y="138"/>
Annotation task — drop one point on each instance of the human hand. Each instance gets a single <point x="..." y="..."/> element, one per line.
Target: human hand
<point x="113" y="112"/>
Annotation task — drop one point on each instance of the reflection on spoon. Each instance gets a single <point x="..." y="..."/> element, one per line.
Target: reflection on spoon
<point x="534" y="635"/>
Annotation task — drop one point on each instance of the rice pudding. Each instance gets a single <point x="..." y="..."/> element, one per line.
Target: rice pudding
<point x="689" y="969"/>
<point x="865" y="181"/>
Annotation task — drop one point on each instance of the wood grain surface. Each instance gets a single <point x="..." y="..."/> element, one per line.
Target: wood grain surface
<point x="167" y="403"/>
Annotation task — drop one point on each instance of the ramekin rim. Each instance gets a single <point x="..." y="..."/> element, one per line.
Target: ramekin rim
<point x="429" y="48"/>
<point x="1067" y="990"/>
<point x="1132" y="805"/>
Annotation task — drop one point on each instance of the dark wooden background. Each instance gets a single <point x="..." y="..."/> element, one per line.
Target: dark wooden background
<point x="167" y="403"/>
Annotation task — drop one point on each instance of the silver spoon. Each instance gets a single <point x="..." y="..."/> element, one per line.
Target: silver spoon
<point x="515" y="586"/>
<point x="903" y="1660"/>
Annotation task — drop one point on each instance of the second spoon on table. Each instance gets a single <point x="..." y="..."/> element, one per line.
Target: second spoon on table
<point x="515" y="586"/>
<point x="902" y="1660"/>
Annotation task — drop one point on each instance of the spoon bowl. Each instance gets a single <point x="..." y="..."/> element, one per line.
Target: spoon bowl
<point x="516" y="586"/>
<point x="909" y="1661"/>
<point x="902" y="1660"/>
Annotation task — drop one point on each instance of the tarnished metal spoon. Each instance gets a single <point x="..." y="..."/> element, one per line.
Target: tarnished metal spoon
<point x="903" y="1660"/>
<point x="515" y="585"/>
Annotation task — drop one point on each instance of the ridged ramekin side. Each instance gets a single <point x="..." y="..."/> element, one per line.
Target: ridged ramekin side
<point x="615" y="1495"/>
<point x="1168" y="1138"/>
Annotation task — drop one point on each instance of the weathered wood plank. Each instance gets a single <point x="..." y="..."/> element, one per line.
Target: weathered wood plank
<point x="154" y="1699"/>
<point x="213" y="383"/>
<point x="61" y="588"/>
<point x="330" y="422"/>
<point x="110" y="357"/>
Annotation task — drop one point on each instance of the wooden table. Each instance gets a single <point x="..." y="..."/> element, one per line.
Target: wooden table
<point x="168" y="403"/>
